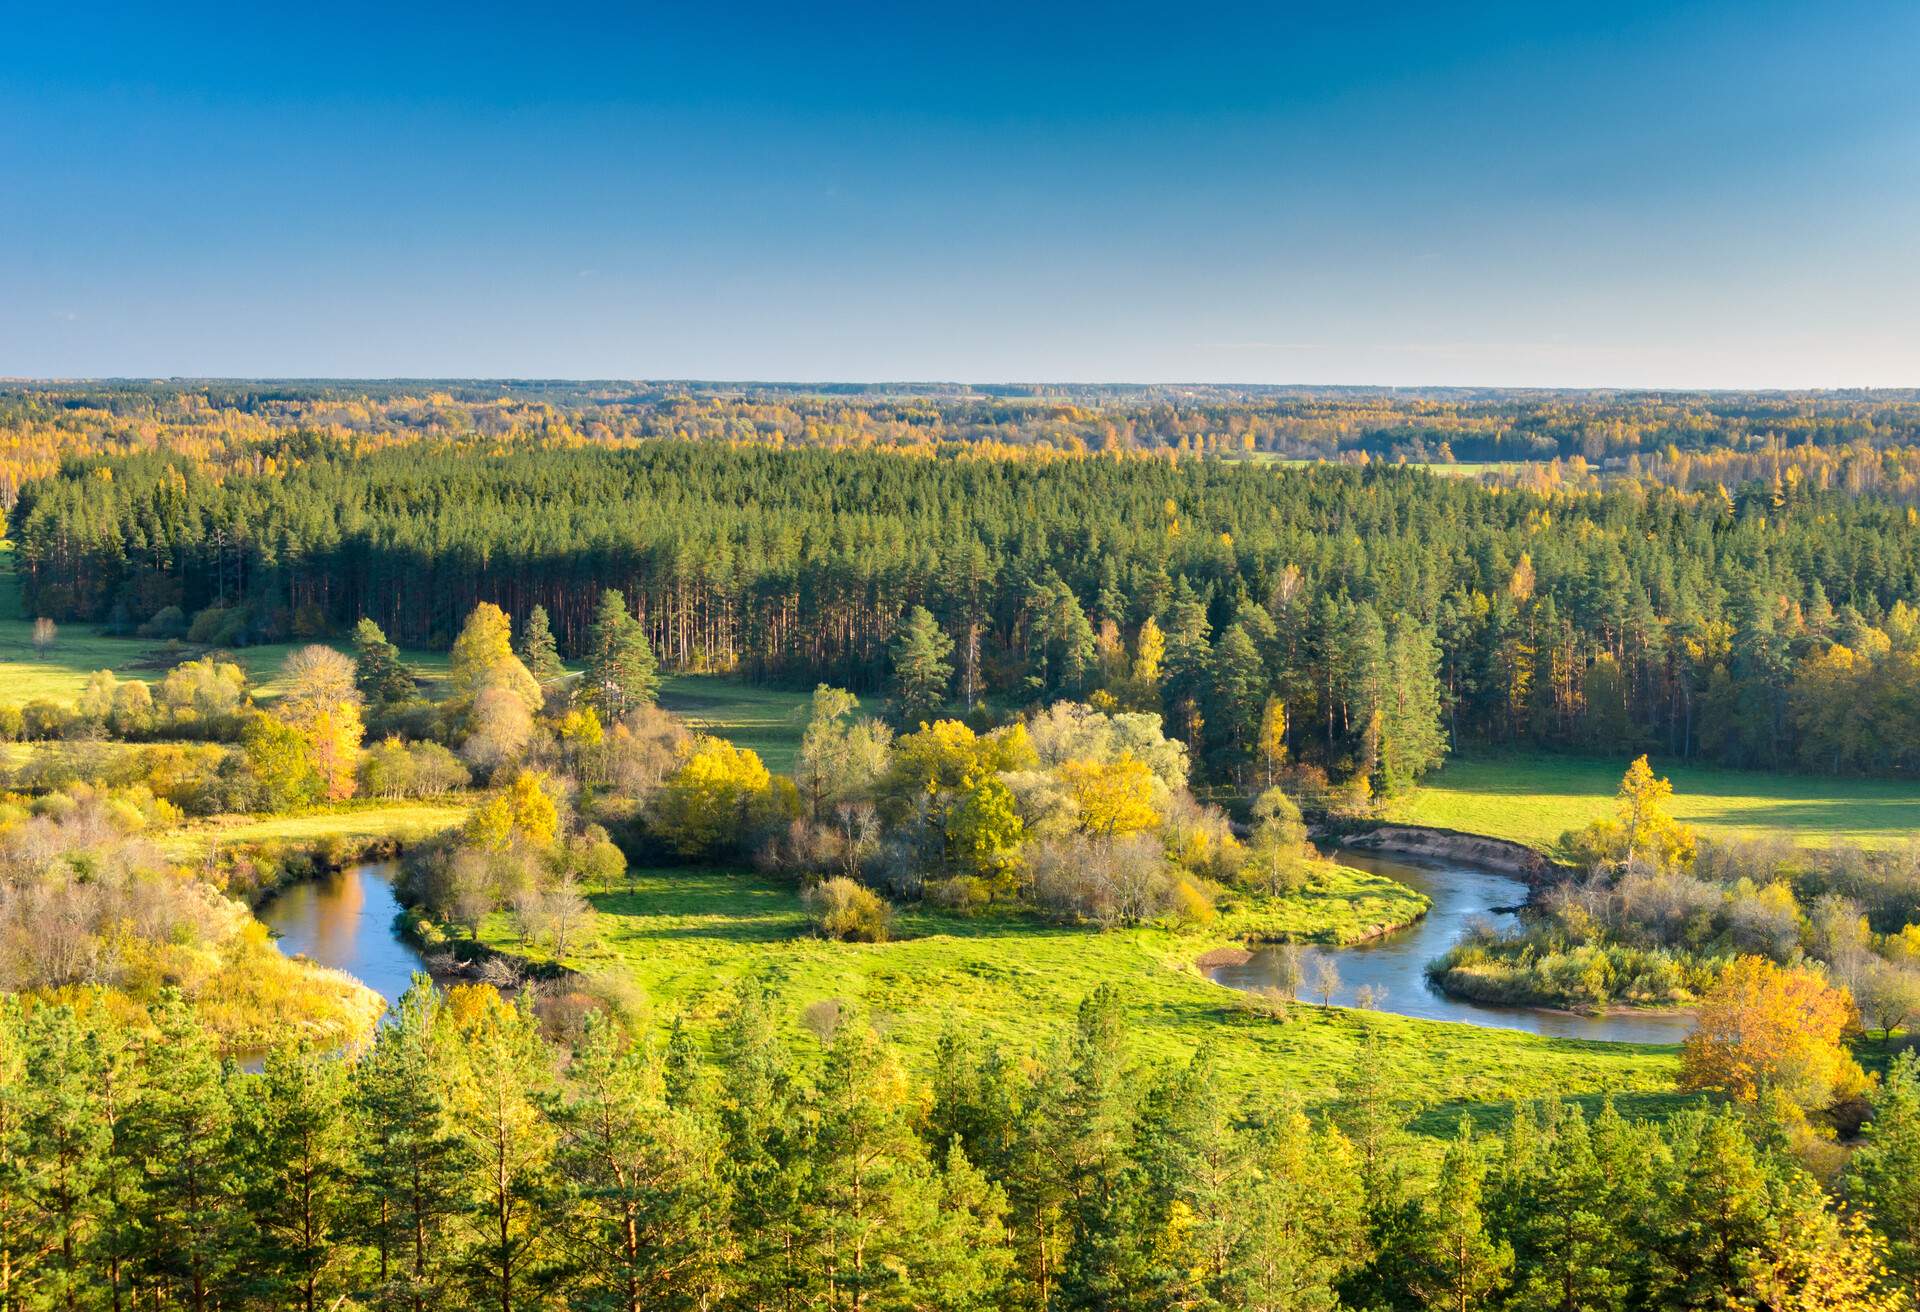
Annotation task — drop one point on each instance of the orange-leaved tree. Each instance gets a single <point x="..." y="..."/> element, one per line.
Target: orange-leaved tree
<point x="1766" y="1031"/>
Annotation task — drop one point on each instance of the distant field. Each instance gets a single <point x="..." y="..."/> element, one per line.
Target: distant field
<point x="768" y="720"/>
<point x="1457" y="468"/>
<point x="61" y="672"/>
<point x="402" y="821"/>
<point x="1534" y="799"/>
<point x="686" y="938"/>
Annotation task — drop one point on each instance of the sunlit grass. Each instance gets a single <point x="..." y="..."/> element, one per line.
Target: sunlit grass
<point x="689" y="938"/>
<point x="403" y="822"/>
<point x="1533" y="799"/>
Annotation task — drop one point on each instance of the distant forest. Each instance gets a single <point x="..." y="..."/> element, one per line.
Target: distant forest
<point x="1860" y="441"/>
<point x="1768" y="625"/>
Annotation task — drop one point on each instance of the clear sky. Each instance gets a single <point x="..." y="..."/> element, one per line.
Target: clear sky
<point x="1722" y="194"/>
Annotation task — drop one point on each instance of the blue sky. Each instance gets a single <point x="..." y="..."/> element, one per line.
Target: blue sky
<point x="1719" y="195"/>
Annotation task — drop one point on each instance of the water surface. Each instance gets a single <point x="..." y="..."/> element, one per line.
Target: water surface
<point x="348" y="920"/>
<point x="1461" y="894"/>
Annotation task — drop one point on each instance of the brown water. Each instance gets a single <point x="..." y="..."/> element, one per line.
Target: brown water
<point x="348" y="920"/>
<point x="1397" y="963"/>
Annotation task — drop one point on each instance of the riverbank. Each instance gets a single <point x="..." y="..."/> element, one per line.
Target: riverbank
<point x="1431" y="843"/>
<point x="1391" y="973"/>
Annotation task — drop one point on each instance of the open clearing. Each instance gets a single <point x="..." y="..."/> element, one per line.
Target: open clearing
<point x="404" y="822"/>
<point x="1535" y="799"/>
<point x="769" y="720"/>
<point x="59" y="673"/>
<point x="688" y="938"/>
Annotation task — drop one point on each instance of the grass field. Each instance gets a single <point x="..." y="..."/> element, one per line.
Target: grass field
<point x="687" y="938"/>
<point x="59" y="673"/>
<point x="1534" y="799"/>
<point x="404" y="822"/>
<point x="1455" y="469"/>
<point x="769" y="720"/>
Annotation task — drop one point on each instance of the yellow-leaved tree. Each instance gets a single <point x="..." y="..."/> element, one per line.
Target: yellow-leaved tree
<point x="321" y="702"/>
<point x="716" y="797"/>
<point x="1773" y="1033"/>
<point x="1113" y="798"/>
<point x="1643" y="831"/>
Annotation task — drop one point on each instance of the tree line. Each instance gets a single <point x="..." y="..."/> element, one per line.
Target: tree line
<point x="254" y="423"/>
<point x="467" y="1159"/>
<point x="1612" y="621"/>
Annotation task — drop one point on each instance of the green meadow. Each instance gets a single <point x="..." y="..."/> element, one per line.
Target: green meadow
<point x="60" y="672"/>
<point x="1535" y="799"/>
<point x="688" y="939"/>
<point x="768" y="720"/>
<point x="349" y="823"/>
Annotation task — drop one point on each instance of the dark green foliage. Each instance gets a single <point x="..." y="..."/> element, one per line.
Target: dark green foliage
<point x="378" y="672"/>
<point x="921" y="669"/>
<point x="464" y="1163"/>
<point x="538" y="650"/>
<point x="621" y="671"/>
<point x="800" y="564"/>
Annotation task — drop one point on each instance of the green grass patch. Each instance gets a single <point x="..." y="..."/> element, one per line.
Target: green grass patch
<point x="688" y="938"/>
<point x="1535" y="799"/>
<point x="404" y="822"/>
<point x="1340" y="905"/>
<point x="768" y="720"/>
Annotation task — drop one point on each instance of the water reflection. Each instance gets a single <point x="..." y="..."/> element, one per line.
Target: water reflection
<point x="1394" y="968"/>
<point x="348" y="920"/>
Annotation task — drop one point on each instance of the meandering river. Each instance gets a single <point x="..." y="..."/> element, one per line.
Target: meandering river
<point x="1397" y="963"/>
<point x="349" y="920"/>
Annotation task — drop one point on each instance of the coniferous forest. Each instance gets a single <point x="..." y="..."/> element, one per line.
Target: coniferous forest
<point x="1768" y="626"/>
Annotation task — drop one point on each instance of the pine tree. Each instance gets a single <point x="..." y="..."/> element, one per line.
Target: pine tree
<point x="538" y="650"/>
<point x="1463" y="1267"/>
<point x="1412" y="737"/>
<point x="1552" y="1200"/>
<point x="297" y="1176"/>
<point x="621" y="672"/>
<point x="767" y="1146"/>
<point x="645" y="1210"/>
<point x="868" y="1181"/>
<point x="501" y="1083"/>
<point x="921" y="670"/>
<point x="67" y="1148"/>
<point x="191" y="1205"/>
<point x="1884" y="1173"/>
<point x="378" y="672"/>
<point x="1305" y="1212"/>
<point x="1237" y="696"/>
<point x="408" y="1188"/>
<point x="1197" y="1172"/>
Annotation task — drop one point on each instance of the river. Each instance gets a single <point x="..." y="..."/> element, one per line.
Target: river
<point x="348" y="920"/>
<point x="1397" y="963"/>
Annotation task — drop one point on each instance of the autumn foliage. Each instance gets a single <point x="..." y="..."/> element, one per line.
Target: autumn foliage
<point x="1771" y="1031"/>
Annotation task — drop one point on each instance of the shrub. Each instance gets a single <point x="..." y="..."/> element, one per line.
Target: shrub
<point x="12" y="723"/>
<point x="167" y="622"/>
<point x="218" y="626"/>
<point x="960" y="893"/>
<point x="42" y="720"/>
<point x="844" y="910"/>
